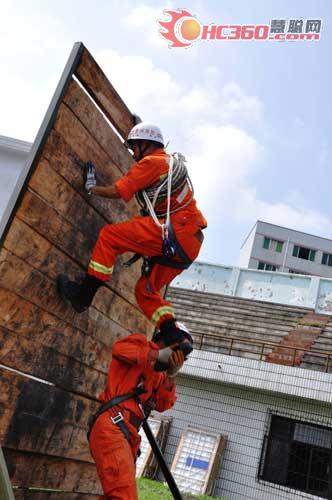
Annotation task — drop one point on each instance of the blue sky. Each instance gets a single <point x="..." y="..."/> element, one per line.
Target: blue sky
<point x="253" y="118"/>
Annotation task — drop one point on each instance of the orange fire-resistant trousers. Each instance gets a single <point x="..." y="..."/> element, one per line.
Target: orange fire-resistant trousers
<point x="114" y="459"/>
<point x="141" y="235"/>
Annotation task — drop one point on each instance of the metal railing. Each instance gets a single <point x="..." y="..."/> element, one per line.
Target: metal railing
<point x="203" y="346"/>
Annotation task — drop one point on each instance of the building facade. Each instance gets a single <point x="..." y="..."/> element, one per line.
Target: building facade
<point x="274" y="411"/>
<point x="269" y="247"/>
<point x="13" y="155"/>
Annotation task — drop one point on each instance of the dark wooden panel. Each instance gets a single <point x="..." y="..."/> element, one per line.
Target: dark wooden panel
<point x="38" y="417"/>
<point x="77" y="100"/>
<point x="37" y="471"/>
<point x="32" y="285"/>
<point x="45" y="220"/>
<point x="34" y="250"/>
<point x="46" y="495"/>
<point x="50" y="186"/>
<point x="87" y="148"/>
<point x="96" y="83"/>
<point x="68" y="203"/>
<point x="61" y="158"/>
<point x="35" y="325"/>
<point x="34" y="358"/>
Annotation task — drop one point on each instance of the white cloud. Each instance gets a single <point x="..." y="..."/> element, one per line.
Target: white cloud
<point x="144" y="19"/>
<point x="143" y="87"/>
<point x="209" y="119"/>
<point x="235" y="103"/>
<point x="148" y="89"/>
<point x="222" y="157"/>
<point x="35" y="46"/>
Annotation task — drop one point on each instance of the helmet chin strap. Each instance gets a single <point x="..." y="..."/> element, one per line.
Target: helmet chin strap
<point x="141" y="149"/>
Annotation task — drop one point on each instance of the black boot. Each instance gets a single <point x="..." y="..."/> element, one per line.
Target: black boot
<point x="80" y="295"/>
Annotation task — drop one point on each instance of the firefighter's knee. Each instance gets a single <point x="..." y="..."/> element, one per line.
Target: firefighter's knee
<point x="106" y="232"/>
<point x="140" y="289"/>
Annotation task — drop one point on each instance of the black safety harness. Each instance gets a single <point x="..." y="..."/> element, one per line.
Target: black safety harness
<point x="118" y="419"/>
<point x="174" y="256"/>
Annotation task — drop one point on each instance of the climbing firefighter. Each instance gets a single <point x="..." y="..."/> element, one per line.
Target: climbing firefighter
<point x="168" y="233"/>
<point x="141" y="378"/>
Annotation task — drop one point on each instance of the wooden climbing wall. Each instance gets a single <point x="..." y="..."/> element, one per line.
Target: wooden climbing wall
<point x="50" y="227"/>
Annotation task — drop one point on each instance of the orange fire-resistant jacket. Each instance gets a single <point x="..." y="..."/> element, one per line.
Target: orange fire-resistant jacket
<point x="150" y="170"/>
<point x="113" y="455"/>
<point x="129" y="366"/>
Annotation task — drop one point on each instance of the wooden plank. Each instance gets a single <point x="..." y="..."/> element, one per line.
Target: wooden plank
<point x="95" y="324"/>
<point x="40" y="216"/>
<point x="70" y="205"/>
<point x="98" y="86"/>
<point x="38" y="471"/>
<point x="6" y="491"/>
<point x="87" y="148"/>
<point x="33" y="324"/>
<point x="33" y="249"/>
<point x="47" y="495"/>
<point x="45" y="220"/>
<point x="36" y="251"/>
<point x="40" y="418"/>
<point x="61" y="158"/>
<point x="80" y="104"/>
<point x="38" y="360"/>
<point x="30" y="284"/>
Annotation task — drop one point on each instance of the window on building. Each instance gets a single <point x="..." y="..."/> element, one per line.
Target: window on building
<point x="304" y="253"/>
<point x="298" y="455"/>
<point x="279" y="245"/>
<point x="266" y="243"/>
<point x="270" y="244"/>
<point x="264" y="266"/>
<point x="327" y="259"/>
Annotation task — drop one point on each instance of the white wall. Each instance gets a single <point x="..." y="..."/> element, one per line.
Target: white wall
<point x="13" y="155"/>
<point x="242" y="415"/>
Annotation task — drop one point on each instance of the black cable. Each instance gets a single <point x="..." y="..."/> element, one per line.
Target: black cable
<point x="161" y="461"/>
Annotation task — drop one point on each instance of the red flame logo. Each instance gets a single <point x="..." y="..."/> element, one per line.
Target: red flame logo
<point x="171" y="29"/>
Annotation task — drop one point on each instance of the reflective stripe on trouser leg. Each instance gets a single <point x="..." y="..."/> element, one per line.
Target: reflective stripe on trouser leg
<point x="164" y="312"/>
<point x="100" y="271"/>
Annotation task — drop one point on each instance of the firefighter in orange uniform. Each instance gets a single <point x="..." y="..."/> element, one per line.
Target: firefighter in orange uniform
<point x="169" y="232"/>
<point x="141" y="378"/>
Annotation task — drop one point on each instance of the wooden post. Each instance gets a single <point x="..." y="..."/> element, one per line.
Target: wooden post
<point x="6" y="490"/>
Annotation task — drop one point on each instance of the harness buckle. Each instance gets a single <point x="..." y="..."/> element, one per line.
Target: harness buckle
<point x="117" y="418"/>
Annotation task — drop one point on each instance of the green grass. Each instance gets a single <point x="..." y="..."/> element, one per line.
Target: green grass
<point x="153" y="490"/>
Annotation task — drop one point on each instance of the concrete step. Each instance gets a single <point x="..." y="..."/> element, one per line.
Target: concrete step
<point x="216" y="325"/>
<point x="314" y="362"/>
<point x="323" y="344"/>
<point x="225" y="320"/>
<point x="239" y="301"/>
<point x="206" y="308"/>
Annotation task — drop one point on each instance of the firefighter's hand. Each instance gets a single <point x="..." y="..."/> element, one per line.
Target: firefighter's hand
<point x="176" y="361"/>
<point x="89" y="176"/>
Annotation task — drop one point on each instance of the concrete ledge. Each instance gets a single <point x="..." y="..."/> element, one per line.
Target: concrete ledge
<point x="273" y="378"/>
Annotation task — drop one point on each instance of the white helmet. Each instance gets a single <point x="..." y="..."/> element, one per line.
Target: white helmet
<point x="145" y="132"/>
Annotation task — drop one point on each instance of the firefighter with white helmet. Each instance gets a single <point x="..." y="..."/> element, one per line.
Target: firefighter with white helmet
<point x="168" y="234"/>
